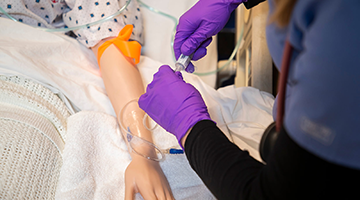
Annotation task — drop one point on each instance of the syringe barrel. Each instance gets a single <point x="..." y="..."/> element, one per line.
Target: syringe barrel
<point x="182" y="62"/>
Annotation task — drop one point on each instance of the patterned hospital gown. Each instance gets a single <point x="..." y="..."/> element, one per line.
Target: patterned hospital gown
<point x="70" y="13"/>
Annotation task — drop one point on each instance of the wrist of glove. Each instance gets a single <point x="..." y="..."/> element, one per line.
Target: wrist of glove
<point x="173" y="104"/>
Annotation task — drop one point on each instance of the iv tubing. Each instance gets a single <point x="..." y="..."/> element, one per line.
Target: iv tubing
<point x="168" y="16"/>
<point x="7" y="15"/>
<point x="233" y="54"/>
<point x="239" y="41"/>
<point x="75" y="27"/>
<point x="155" y="11"/>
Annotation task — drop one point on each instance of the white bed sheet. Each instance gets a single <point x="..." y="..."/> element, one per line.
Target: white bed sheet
<point x="70" y="69"/>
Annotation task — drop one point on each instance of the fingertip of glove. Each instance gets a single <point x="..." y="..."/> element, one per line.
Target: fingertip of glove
<point x="164" y="70"/>
<point x="190" y="68"/>
<point x="199" y="53"/>
<point x="207" y="42"/>
<point x="164" y="67"/>
<point x="179" y="74"/>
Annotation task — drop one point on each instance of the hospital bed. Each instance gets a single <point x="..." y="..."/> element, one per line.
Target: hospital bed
<point x="72" y="73"/>
<point x="253" y="60"/>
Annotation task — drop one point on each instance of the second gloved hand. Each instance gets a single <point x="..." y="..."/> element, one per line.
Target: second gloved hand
<point x="197" y="26"/>
<point x="173" y="104"/>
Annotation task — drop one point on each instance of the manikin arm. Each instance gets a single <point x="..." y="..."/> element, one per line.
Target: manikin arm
<point x="123" y="83"/>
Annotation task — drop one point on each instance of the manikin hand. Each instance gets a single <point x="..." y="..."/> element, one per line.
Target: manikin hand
<point x="197" y="26"/>
<point x="146" y="177"/>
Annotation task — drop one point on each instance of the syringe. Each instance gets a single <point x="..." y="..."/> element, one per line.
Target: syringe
<point x="182" y="62"/>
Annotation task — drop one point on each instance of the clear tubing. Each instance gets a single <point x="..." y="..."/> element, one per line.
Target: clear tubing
<point x="173" y="37"/>
<point x="228" y="61"/>
<point x="129" y="121"/>
<point x="75" y="27"/>
<point x="146" y="116"/>
<point x="158" y="12"/>
<point x="168" y="16"/>
<point x="7" y="15"/>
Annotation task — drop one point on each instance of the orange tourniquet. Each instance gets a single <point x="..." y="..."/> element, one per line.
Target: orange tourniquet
<point x="131" y="49"/>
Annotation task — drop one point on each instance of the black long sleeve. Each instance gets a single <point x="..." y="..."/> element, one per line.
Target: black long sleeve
<point x="251" y="3"/>
<point x="291" y="173"/>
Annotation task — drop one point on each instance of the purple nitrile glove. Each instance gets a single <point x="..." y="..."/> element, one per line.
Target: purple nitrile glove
<point x="197" y="26"/>
<point x="173" y="104"/>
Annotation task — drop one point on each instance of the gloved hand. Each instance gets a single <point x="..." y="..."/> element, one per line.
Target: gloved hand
<point x="173" y="104"/>
<point x="197" y="26"/>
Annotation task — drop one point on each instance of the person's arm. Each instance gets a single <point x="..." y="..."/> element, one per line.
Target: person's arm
<point x="225" y="169"/>
<point x="251" y="3"/>
<point x="123" y="83"/>
<point x="230" y="173"/>
<point x="291" y="172"/>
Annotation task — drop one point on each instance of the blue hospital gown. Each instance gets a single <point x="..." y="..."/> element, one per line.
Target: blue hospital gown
<point x="70" y="13"/>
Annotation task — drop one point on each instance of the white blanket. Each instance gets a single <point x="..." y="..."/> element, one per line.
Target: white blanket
<point x="70" y="70"/>
<point x="95" y="158"/>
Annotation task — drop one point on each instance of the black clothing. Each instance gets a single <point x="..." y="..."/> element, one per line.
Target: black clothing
<point x="252" y="3"/>
<point x="291" y="172"/>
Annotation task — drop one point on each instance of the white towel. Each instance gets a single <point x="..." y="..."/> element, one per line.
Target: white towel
<point x="95" y="158"/>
